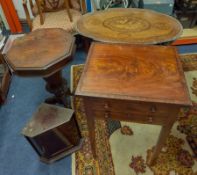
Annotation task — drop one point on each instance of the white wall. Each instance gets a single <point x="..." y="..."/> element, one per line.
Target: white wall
<point x="20" y="11"/>
<point x="4" y="18"/>
<point x="19" y="8"/>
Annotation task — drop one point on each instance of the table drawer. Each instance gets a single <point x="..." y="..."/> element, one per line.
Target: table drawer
<point x="143" y="108"/>
<point x="138" y="118"/>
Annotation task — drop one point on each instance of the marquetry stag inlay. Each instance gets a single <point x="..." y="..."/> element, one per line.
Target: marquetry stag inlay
<point x="126" y="24"/>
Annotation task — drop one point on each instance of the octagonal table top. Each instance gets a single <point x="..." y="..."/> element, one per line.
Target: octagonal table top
<point x="129" y="25"/>
<point x="40" y="52"/>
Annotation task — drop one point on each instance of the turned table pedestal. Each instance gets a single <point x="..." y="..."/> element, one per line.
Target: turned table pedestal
<point x="134" y="83"/>
<point x="44" y="52"/>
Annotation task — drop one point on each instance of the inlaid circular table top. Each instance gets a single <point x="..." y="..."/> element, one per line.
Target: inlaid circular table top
<point x="129" y="25"/>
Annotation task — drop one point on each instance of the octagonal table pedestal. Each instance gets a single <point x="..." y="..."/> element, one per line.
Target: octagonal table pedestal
<point x="57" y="85"/>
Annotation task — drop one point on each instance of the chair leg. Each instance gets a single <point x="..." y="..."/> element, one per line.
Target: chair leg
<point x="40" y="12"/>
<point x="68" y="10"/>
<point x="29" y="22"/>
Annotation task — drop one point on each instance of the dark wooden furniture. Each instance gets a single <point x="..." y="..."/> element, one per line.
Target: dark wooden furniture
<point x="186" y="12"/>
<point x="134" y="26"/>
<point x="5" y="79"/>
<point x="47" y="12"/>
<point x="136" y="83"/>
<point x="44" y="53"/>
<point x="53" y="132"/>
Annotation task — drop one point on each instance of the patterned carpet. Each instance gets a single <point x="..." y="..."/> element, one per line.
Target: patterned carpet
<point x="124" y="147"/>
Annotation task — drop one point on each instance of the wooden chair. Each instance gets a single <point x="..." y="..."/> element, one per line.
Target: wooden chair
<point x="52" y="14"/>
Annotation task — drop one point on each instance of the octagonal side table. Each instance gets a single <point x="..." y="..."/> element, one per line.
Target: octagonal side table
<point x="44" y="52"/>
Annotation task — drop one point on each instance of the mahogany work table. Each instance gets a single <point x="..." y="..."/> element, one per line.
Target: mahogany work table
<point x="134" y="83"/>
<point x="44" y="52"/>
<point x="129" y="25"/>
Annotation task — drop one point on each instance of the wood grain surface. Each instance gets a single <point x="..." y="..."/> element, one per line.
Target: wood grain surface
<point x="134" y="72"/>
<point x="131" y="25"/>
<point x="40" y="49"/>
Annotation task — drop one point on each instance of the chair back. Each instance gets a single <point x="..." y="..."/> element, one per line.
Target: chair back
<point x="53" y="5"/>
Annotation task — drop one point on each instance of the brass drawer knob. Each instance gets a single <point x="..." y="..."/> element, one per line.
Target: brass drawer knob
<point x="153" y="109"/>
<point x="106" y="106"/>
<point x="150" y="119"/>
<point x="107" y="115"/>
